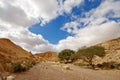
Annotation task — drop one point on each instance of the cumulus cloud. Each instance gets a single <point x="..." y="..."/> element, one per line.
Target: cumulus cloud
<point x="90" y="36"/>
<point x="95" y="16"/>
<point x="26" y="39"/>
<point x="71" y="27"/>
<point x="67" y="5"/>
<point x="28" y="12"/>
<point x="16" y="16"/>
<point x="97" y="27"/>
<point x="34" y="43"/>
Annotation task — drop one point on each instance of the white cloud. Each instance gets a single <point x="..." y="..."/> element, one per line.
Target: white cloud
<point x="71" y="27"/>
<point x="97" y="26"/>
<point x="26" y="39"/>
<point x="67" y="5"/>
<point x="30" y="10"/>
<point x="91" y="36"/>
<point x="16" y="16"/>
<point x="47" y="9"/>
<point x="96" y="16"/>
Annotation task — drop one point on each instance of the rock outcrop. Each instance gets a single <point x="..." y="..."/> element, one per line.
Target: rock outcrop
<point x="112" y="49"/>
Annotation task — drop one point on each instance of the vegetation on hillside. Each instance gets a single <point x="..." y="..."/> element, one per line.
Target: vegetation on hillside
<point x="16" y="66"/>
<point x="15" y="59"/>
<point x="87" y="54"/>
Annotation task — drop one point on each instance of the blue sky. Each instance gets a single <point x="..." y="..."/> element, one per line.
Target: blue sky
<point x="54" y="25"/>
<point x="52" y="30"/>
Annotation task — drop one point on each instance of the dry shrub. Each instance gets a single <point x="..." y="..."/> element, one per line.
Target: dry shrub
<point x="6" y="67"/>
<point x="16" y="66"/>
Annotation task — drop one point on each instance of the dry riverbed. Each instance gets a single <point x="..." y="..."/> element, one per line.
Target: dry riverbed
<point x="55" y="71"/>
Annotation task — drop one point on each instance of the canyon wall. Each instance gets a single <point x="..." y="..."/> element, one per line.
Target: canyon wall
<point x="112" y="49"/>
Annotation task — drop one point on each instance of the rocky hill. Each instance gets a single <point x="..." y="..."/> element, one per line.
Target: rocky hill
<point x="112" y="49"/>
<point x="47" y="56"/>
<point x="12" y="52"/>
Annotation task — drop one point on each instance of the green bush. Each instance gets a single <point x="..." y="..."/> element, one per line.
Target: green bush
<point x="28" y="65"/>
<point x="17" y="67"/>
<point x="65" y="55"/>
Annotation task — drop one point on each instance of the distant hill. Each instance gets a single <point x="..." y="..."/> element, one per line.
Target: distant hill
<point x="47" y="56"/>
<point x="12" y="52"/>
<point x="112" y="49"/>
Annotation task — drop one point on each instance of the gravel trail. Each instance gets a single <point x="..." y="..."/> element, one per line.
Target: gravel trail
<point x="54" y="71"/>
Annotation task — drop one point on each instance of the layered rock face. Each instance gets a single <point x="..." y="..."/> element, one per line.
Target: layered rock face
<point x="112" y="49"/>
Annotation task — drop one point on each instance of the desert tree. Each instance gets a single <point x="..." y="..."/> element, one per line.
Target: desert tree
<point x="87" y="54"/>
<point x="65" y="54"/>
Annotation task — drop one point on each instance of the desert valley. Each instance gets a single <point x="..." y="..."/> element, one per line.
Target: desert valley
<point x="20" y="64"/>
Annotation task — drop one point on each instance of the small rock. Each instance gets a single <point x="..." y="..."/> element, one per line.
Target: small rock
<point x="66" y="67"/>
<point x="10" y="78"/>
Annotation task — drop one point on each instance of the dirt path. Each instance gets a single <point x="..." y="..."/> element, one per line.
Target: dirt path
<point x="53" y="71"/>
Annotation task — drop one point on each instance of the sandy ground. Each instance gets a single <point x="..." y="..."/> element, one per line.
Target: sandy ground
<point x="54" y="71"/>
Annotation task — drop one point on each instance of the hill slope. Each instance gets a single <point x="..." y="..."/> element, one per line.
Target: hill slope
<point x="112" y="49"/>
<point x="10" y="51"/>
<point x="47" y="56"/>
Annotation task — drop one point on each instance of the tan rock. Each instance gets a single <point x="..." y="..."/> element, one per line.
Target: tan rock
<point x="112" y="49"/>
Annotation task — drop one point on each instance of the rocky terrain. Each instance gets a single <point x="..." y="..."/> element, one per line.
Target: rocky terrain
<point x="55" y="71"/>
<point x="112" y="49"/>
<point x="10" y="52"/>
